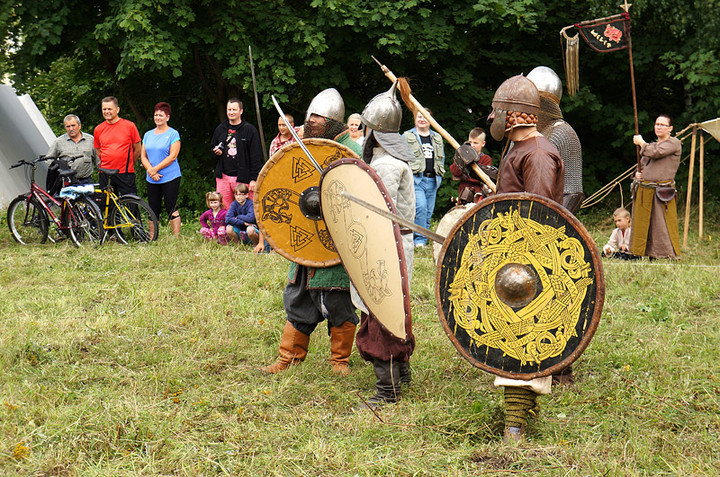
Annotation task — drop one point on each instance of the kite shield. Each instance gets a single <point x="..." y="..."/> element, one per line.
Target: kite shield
<point x="519" y="286"/>
<point x="369" y="245"/>
<point x="287" y="202"/>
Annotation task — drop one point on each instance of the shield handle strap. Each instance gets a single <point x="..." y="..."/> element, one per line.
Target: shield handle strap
<point x="419" y="107"/>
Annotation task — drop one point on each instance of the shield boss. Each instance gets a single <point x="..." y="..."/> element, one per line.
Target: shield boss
<point x="519" y="286"/>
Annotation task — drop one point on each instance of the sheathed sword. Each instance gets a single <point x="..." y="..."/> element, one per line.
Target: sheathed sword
<point x="416" y="104"/>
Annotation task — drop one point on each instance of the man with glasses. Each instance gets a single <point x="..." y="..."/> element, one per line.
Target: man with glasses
<point x="428" y="169"/>
<point x="654" y="216"/>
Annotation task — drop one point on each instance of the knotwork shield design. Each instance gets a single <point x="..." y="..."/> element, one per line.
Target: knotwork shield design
<point x="369" y="245"/>
<point x="519" y="286"/>
<point x="287" y="202"/>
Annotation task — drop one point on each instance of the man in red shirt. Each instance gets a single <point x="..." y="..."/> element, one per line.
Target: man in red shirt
<point x="117" y="144"/>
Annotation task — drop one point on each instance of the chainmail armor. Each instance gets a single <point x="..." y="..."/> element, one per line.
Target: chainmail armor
<point x="549" y="113"/>
<point x="563" y="137"/>
<point x="333" y="129"/>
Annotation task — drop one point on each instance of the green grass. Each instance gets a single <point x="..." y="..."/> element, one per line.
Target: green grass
<point x="144" y="361"/>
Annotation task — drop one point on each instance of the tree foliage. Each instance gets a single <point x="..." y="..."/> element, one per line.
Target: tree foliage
<point x="194" y="54"/>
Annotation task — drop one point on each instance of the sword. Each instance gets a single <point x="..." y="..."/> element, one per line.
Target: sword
<point x="295" y="135"/>
<point x="257" y="107"/>
<point x="410" y="225"/>
<point x="475" y="167"/>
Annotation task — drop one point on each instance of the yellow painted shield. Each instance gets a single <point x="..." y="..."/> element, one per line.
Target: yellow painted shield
<point x="519" y="286"/>
<point x="370" y="245"/>
<point x="287" y="202"/>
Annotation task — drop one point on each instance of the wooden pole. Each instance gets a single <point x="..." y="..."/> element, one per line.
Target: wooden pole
<point x="689" y="187"/>
<point x="451" y="140"/>
<point x="592" y="22"/>
<point x="257" y="106"/>
<point x="634" y="96"/>
<point x="701" y="186"/>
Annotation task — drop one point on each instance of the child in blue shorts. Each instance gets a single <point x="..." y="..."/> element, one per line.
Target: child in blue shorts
<point x="240" y="219"/>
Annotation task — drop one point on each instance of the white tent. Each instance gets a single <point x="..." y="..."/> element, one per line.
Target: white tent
<point x="24" y="134"/>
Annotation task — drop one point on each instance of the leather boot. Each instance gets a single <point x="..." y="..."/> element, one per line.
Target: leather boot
<point x="293" y="349"/>
<point x="387" y="385"/>
<point x="341" y="343"/>
<point x="564" y="377"/>
<point x="405" y="374"/>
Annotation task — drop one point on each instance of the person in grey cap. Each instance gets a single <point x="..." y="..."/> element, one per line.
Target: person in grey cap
<point x="389" y="154"/>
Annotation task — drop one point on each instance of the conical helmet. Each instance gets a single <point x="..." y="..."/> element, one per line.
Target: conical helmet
<point x="517" y="94"/>
<point x="329" y="104"/>
<point x="547" y="81"/>
<point x="383" y="113"/>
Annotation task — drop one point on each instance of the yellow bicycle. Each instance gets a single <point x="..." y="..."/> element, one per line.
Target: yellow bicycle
<point x="128" y="217"/>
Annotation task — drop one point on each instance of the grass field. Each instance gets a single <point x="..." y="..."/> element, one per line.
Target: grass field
<point x="120" y="361"/>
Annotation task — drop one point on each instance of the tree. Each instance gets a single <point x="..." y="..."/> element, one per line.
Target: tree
<point x="193" y="54"/>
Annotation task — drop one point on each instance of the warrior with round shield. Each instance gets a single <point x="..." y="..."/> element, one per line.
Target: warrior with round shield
<point x="560" y="134"/>
<point x="313" y="295"/>
<point x="388" y="153"/>
<point x="532" y="165"/>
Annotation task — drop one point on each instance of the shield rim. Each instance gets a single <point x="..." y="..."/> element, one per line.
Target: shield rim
<point x="258" y="213"/>
<point x="599" y="284"/>
<point x="398" y="242"/>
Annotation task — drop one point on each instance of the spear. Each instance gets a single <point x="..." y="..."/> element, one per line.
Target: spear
<point x="257" y="107"/>
<point x="416" y="106"/>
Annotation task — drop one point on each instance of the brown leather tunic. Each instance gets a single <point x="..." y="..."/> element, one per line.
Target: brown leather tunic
<point x="535" y="166"/>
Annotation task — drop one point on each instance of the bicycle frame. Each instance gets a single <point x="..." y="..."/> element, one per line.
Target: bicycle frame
<point x="111" y="199"/>
<point x="43" y="197"/>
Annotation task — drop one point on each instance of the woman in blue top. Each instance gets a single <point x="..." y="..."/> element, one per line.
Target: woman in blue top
<point x="160" y="150"/>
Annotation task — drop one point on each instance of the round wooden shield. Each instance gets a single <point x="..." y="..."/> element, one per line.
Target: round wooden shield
<point x="287" y="207"/>
<point x="369" y="244"/>
<point x="519" y="286"/>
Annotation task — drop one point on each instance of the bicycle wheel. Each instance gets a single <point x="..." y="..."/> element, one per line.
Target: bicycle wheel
<point x="134" y="221"/>
<point x="84" y="221"/>
<point x="27" y="220"/>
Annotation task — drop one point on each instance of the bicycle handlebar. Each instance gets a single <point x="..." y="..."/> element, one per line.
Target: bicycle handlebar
<point x="23" y="162"/>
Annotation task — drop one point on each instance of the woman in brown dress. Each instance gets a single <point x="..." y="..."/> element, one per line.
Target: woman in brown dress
<point x="655" y="226"/>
